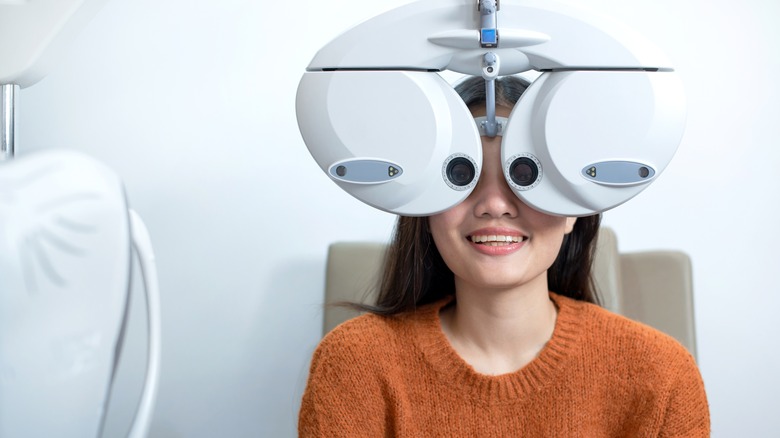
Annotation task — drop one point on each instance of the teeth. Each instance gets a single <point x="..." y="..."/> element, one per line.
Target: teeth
<point x="495" y="239"/>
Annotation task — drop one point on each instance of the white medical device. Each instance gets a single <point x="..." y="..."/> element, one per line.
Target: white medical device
<point x="598" y="125"/>
<point x="67" y="239"/>
<point x="65" y="258"/>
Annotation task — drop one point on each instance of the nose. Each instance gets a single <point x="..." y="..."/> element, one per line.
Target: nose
<point x="492" y="196"/>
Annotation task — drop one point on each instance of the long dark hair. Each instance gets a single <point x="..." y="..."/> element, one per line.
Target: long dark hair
<point x="414" y="272"/>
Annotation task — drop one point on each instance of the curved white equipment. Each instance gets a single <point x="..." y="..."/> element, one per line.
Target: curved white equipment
<point x="598" y="126"/>
<point x="594" y="156"/>
<point x="65" y="260"/>
<point x="66" y="239"/>
<point x="34" y="34"/>
<point x="143" y="247"/>
<point x="358" y="135"/>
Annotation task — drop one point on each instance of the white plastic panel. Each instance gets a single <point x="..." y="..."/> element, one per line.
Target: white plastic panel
<point x="35" y="33"/>
<point x="64" y="273"/>
<point x="414" y="120"/>
<point x="411" y="36"/>
<point x="571" y="120"/>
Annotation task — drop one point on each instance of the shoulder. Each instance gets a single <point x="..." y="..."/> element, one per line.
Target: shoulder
<point x="373" y="339"/>
<point x="638" y="359"/>
<point x="364" y="332"/>
<point x="630" y="343"/>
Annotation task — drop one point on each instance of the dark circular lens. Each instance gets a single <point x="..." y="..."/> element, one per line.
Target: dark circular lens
<point x="644" y="172"/>
<point x="460" y="171"/>
<point x="523" y="171"/>
<point x="341" y="171"/>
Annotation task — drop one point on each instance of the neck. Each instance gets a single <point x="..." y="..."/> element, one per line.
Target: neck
<point x="499" y="331"/>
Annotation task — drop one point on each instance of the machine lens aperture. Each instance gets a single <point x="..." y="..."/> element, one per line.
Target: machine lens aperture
<point x="460" y="171"/>
<point x="524" y="171"/>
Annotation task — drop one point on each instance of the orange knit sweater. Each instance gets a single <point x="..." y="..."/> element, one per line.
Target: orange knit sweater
<point x="600" y="375"/>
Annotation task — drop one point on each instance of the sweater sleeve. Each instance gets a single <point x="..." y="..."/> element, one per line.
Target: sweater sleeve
<point x="687" y="410"/>
<point x="343" y="395"/>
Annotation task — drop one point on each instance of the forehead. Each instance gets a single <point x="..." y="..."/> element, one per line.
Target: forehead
<point x="478" y="110"/>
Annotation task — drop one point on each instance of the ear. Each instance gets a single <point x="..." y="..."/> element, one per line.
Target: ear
<point x="570" y="221"/>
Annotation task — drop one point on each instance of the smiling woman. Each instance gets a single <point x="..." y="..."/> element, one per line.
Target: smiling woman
<point x="487" y="324"/>
<point x="415" y="272"/>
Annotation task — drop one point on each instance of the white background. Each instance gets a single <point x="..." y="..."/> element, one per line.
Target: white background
<point x="192" y="103"/>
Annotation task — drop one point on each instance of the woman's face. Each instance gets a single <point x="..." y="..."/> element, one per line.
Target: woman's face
<point x="492" y="239"/>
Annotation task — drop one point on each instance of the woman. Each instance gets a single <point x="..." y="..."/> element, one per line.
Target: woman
<point x="487" y="324"/>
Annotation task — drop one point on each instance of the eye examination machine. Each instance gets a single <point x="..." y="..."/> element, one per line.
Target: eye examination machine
<point x="67" y="242"/>
<point x="600" y="121"/>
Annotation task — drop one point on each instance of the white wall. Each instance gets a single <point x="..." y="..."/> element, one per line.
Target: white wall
<point x="192" y="103"/>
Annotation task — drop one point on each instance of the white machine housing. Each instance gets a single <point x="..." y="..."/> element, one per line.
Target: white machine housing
<point x="36" y="34"/>
<point x="600" y="123"/>
<point x="67" y="240"/>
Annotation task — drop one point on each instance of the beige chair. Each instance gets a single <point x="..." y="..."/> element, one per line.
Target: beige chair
<point x="654" y="287"/>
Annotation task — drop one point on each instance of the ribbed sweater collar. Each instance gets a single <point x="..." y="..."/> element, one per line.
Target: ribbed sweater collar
<point x="505" y="388"/>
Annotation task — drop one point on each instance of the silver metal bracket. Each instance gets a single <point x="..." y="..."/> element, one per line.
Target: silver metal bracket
<point x="481" y="122"/>
<point x="490" y="66"/>
<point x="8" y="96"/>
<point x="488" y="30"/>
<point x="488" y="38"/>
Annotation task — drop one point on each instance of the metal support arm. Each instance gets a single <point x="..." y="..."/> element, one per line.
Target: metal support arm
<point x="8" y="96"/>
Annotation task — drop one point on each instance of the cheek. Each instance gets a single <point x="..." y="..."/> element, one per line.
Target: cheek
<point x="551" y="230"/>
<point x="446" y="223"/>
<point x="555" y="239"/>
<point x="440" y="228"/>
<point x="545" y="223"/>
<point x="445" y="234"/>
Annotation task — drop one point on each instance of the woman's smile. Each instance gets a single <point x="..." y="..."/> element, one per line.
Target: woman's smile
<point x="497" y="241"/>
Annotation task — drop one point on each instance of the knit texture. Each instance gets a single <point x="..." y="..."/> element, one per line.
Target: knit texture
<point x="600" y="375"/>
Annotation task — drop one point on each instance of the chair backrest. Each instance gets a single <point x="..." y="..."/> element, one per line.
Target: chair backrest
<point x="653" y="287"/>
